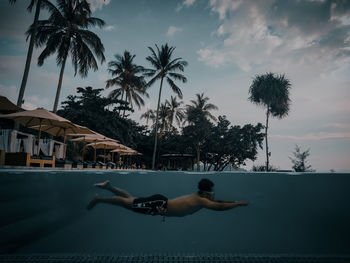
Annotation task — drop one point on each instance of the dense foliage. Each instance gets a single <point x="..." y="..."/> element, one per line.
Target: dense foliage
<point x="232" y="145"/>
<point x="216" y="145"/>
<point x="100" y="114"/>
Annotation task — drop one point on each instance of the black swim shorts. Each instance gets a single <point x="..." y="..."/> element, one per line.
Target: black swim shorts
<point x="152" y="205"/>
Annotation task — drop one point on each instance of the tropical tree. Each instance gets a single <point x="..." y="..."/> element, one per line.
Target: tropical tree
<point x="148" y="115"/>
<point x="31" y="45"/>
<point x="126" y="77"/>
<point x="299" y="160"/>
<point x="175" y="111"/>
<point x="87" y="107"/>
<point x="164" y="67"/>
<point x="197" y="132"/>
<point x="164" y="113"/>
<point x="201" y="104"/>
<point x="272" y="92"/>
<point x="232" y="145"/>
<point x="66" y="33"/>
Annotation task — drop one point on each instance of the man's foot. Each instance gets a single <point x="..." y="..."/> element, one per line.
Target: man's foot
<point x="93" y="202"/>
<point x="104" y="185"/>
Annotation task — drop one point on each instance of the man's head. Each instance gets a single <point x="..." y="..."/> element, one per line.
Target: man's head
<point x="206" y="188"/>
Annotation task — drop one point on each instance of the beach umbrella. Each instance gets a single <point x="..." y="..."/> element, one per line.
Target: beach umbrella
<point x="106" y="145"/>
<point x="127" y="151"/>
<point x="39" y="117"/>
<point x="7" y="106"/>
<point x="64" y="132"/>
<point x="93" y="138"/>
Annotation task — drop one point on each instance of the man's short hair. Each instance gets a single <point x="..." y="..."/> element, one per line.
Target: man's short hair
<point x="205" y="185"/>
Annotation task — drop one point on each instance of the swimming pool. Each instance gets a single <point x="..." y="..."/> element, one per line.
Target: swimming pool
<point x="44" y="211"/>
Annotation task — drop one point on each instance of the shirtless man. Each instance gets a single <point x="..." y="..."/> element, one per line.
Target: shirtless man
<point x="160" y="205"/>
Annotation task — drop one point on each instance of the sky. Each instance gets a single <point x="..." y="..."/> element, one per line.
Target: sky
<point x="226" y="44"/>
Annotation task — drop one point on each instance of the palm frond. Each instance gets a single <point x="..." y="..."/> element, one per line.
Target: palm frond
<point x="178" y="76"/>
<point x="174" y="87"/>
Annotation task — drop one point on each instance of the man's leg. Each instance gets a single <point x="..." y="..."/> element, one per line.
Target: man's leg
<point x="115" y="200"/>
<point x="117" y="191"/>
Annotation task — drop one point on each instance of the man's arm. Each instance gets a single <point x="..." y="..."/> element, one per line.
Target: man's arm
<point x="236" y="202"/>
<point x="221" y="205"/>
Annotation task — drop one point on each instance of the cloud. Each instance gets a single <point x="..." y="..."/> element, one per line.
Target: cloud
<point x="11" y="66"/>
<point x="10" y="92"/>
<point x="29" y="106"/>
<point x="30" y="102"/>
<point x="186" y="3"/>
<point x="269" y="35"/>
<point x="337" y="125"/>
<point x="97" y="4"/>
<point x="189" y="2"/>
<point x="211" y="57"/>
<point x="108" y="28"/>
<point x="313" y="136"/>
<point x="34" y="102"/>
<point x="172" y="30"/>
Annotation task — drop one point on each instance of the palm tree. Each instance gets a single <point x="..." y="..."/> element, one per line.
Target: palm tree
<point x="66" y="32"/>
<point x="164" y="67"/>
<point x="175" y="111"/>
<point x="31" y="45"/>
<point x="148" y="115"/>
<point x="164" y="113"/>
<point x="272" y="92"/>
<point x="125" y="76"/>
<point x="201" y="104"/>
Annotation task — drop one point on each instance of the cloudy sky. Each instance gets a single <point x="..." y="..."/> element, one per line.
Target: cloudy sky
<point x="226" y="44"/>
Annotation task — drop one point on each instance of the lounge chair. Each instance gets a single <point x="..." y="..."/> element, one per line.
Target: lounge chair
<point x="111" y="165"/>
<point x="63" y="163"/>
<point x="42" y="161"/>
<point x="77" y="163"/>
<point x="88" y="164"/>
<point x="102" y="165"/>
<point x="25" y="159"/>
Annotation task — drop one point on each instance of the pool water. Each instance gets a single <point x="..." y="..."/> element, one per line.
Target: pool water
<point x="44" y="212"/>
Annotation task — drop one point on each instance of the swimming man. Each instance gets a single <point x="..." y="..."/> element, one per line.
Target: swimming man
<point x="160" y="205"/>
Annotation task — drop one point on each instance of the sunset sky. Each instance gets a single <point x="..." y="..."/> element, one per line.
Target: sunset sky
<point x="226" y="43"/>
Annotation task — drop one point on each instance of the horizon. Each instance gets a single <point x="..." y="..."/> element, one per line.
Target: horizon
<point x="226" y="43"/>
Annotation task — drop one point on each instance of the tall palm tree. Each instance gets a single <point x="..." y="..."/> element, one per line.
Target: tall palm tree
<point x="175" y="111"/>
<point x="130" y="84"/>
<point x="39" y="5"/>
<point x="148" y="115"/>
<point x="164" y="67"/>
<point x="66" y="32"/>
<point x="201" y="104"/>
<point x="272" y="92"/>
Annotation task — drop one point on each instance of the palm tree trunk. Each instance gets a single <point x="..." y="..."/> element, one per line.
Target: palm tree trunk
<point x="29" y="56"/>
<point x="198" y="158"/>
<point x="122" y="100"/>
<point x="267" y="146"/>
<point x="156" y="128"/>
<point x="126" y="99"/>
<point x="59" y="84"/>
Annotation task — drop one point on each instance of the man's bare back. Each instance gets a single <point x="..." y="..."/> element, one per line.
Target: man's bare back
<point x="160" y="205"/>
<point x="189" y="204"/>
